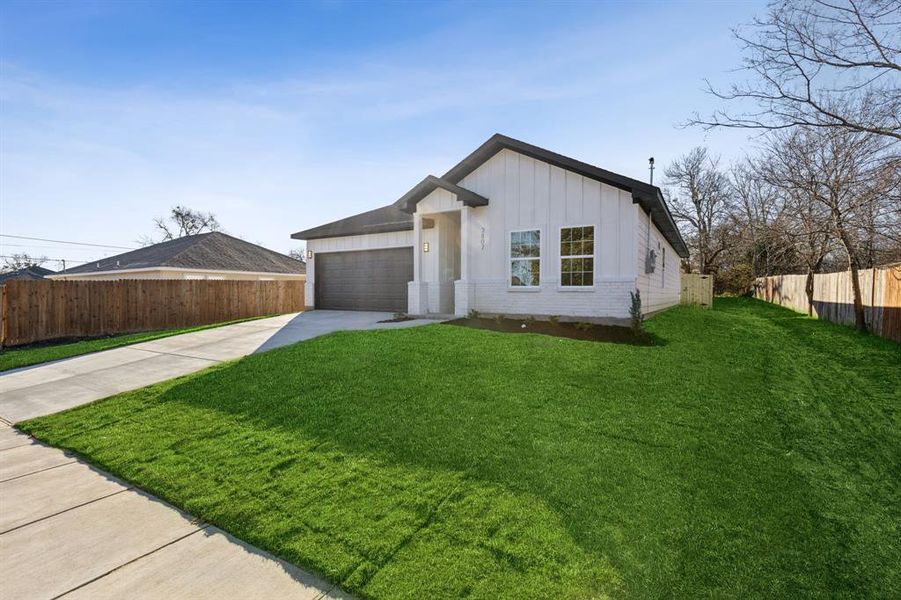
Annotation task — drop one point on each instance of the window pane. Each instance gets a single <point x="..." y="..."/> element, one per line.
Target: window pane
<point x="589" y="233"/>
<point x="576" y="279"/>
<point x="565" y="235"/>
<point x="587" y="248"/>
<point x="566" y="279"/>
<point x="525" y="272"/>
<point x="588" y="265"/>
<point x="587" y="278"/>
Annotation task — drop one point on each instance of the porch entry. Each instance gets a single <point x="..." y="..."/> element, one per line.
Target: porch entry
<point x="439" y="263"/>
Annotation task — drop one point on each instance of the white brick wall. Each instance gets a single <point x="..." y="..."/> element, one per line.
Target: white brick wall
<point x="608" y="299"/>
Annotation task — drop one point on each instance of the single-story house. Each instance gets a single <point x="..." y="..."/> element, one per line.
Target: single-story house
<point x="212" y="255"/>
<point x="512" y="229"/>
<point x="32" y="272"/>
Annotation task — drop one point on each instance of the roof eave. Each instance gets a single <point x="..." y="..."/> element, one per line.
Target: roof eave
<point x="408" y="201"/>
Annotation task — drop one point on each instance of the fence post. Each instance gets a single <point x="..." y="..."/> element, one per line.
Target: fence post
<point x="3" y="316"/>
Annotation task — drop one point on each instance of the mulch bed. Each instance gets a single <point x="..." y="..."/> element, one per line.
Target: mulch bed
<point x="585" y="331"/>
<point x="398" y="319"/>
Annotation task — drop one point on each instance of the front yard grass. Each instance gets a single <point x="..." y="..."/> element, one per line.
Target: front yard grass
<point x="752" y="452"/>
<point x="34" y="354"/>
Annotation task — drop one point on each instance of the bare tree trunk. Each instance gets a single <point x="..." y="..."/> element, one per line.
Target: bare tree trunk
<point x="860" y="318"/>
<point x="808" y="287"/>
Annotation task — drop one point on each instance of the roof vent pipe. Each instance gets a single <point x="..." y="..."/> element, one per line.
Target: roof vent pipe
<point x="651" y="167"/>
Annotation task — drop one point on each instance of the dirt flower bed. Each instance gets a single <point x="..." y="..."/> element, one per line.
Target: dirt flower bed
<point x="576" y="331"/>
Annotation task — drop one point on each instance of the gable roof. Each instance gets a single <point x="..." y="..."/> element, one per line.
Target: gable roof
<point x="649" y="197"/>
<point x="215" y="251"/>
<point x="33" y="272"/>
<point x="408" y="201"/>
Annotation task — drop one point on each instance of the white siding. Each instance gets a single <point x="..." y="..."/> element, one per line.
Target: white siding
<point x="525" y="193"/>
<point x="659" y="289"/>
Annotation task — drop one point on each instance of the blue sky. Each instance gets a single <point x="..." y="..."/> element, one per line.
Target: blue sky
<point x="282" y="116"/>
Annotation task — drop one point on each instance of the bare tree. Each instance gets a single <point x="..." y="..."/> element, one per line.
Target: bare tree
<point x="806" y="219"/>
<point x="298" y="254"/>
<point x="760" y="219"/>
<point x="698" y="196"/>
<point x="184" y="221"/>
<point x="838" y="178"/>
<point x="21" y="260"/>
<point x="815" y="63"/>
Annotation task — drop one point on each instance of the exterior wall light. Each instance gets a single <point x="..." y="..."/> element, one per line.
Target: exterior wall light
<point x="425" y="246"/>
<point x="309" y="254"/>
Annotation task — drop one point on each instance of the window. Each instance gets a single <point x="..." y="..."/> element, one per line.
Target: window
<point x="577" y="256"/>
<point x="525" y="258"/>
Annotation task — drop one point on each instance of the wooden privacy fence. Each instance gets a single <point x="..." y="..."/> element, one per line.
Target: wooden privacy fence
<point x="34" y="311"/>
<point x="833" y="297"/>
<point x="696" y="289"/>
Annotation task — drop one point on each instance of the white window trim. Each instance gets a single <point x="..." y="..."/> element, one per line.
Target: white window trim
<point x="594" y="257"/>
<point x="540" y="259"/>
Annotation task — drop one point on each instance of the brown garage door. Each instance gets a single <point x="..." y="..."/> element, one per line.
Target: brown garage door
<point x="364" y="280"/>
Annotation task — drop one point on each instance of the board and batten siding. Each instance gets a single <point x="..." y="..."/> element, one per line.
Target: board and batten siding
<point x="349" y="243"/>
<point x="660" y="289"/>
<point x="525" y="193"/>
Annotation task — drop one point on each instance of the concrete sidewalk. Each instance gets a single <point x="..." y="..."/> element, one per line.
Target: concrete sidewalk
<point x="67" y="529"/>
<point x="44" y="389"/>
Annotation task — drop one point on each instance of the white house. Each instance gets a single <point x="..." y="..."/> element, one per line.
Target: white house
<point x="512" y="229"/>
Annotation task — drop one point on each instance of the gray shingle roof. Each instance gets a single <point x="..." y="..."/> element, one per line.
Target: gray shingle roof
<point x="214" y="251"/>
<point x="384" y="219"/>
<point x="25" y="273"/>
<point x="380" y="220"/>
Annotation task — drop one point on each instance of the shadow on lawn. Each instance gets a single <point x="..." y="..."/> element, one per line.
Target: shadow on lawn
<point x="605" y="467"/>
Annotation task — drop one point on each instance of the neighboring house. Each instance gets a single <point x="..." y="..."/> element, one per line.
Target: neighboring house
<point x="512" y="229"/>
<point x="33" y="272"/>
<point x="203" y="256"/>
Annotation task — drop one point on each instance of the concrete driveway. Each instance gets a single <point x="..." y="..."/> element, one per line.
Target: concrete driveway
<point x="44" y="389"/>
<point x="67" y="529"/>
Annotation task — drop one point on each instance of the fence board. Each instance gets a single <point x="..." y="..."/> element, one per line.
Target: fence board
<point x="40" y="310"/>
<point x="696" y="289"/>
<point x="833" y="297"/>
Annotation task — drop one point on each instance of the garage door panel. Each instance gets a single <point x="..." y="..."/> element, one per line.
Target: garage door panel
<point x="364" y="280"/>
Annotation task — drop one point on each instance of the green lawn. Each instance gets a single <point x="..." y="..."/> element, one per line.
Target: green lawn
<point x="34" y="354"/>
<point x="753" y="453"/>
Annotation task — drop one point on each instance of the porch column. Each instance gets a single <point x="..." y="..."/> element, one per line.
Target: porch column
<point x="462" y="287"/>
<point x="417" y="293"/>
<point x="417" y="247"/>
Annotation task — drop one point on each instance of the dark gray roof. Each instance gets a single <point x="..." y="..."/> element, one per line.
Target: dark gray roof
<point x="408" y="201"/>
<point x="34" y="272"/>
<point x="383" y="219"/>
<point x="648" y="196"/>
<point x="214" y="251"/>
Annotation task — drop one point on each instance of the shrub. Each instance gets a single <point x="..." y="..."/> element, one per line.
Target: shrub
<point x="584" y="326"/>
<point x="554" y="319"/>
<point x="737" y="280"/>
<point x="635" y="316"/>
<point x="473" y="313"/>
<point x="499" y="318"/>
